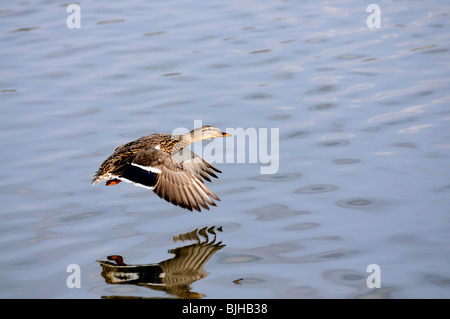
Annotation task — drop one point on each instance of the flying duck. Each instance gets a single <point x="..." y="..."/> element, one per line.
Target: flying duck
<point x="161" y="163"/>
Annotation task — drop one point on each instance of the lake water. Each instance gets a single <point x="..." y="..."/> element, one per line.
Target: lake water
<point x="363" y="116"/>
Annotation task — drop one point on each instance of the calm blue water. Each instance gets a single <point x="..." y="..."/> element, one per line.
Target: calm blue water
<point x="363" y="117"/>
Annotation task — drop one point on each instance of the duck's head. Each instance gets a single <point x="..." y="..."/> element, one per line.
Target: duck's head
<point x="207" y="132"/>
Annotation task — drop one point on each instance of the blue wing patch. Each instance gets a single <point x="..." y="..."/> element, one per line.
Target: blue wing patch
<point x="139" y="176"/>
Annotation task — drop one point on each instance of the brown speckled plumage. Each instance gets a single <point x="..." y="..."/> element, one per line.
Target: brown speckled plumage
<point x="160" y="162"/>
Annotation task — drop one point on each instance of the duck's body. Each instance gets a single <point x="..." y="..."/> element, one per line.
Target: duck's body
<point x="157" y="162"/>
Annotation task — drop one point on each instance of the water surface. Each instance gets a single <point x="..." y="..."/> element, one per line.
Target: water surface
<point x="363" y="116"/>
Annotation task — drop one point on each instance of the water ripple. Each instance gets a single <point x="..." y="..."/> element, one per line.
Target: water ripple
<point x="358" y="203"/>
<point x="316" y="188"/>
<point x="276" y="177"/>
<point x="274" y="212"/>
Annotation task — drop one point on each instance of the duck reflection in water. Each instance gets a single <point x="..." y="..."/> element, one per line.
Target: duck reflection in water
<point x="175" y="275"/>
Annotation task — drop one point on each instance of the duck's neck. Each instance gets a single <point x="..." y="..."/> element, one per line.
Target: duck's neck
<point x="187" y="139"/>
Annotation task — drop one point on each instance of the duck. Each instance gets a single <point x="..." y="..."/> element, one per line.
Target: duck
<point x="161" y="162"/>
<point x="175" y="275"/>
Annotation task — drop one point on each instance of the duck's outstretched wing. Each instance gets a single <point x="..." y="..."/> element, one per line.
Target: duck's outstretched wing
<point x="169" y="179"/>
<point x="196" y="165"/>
